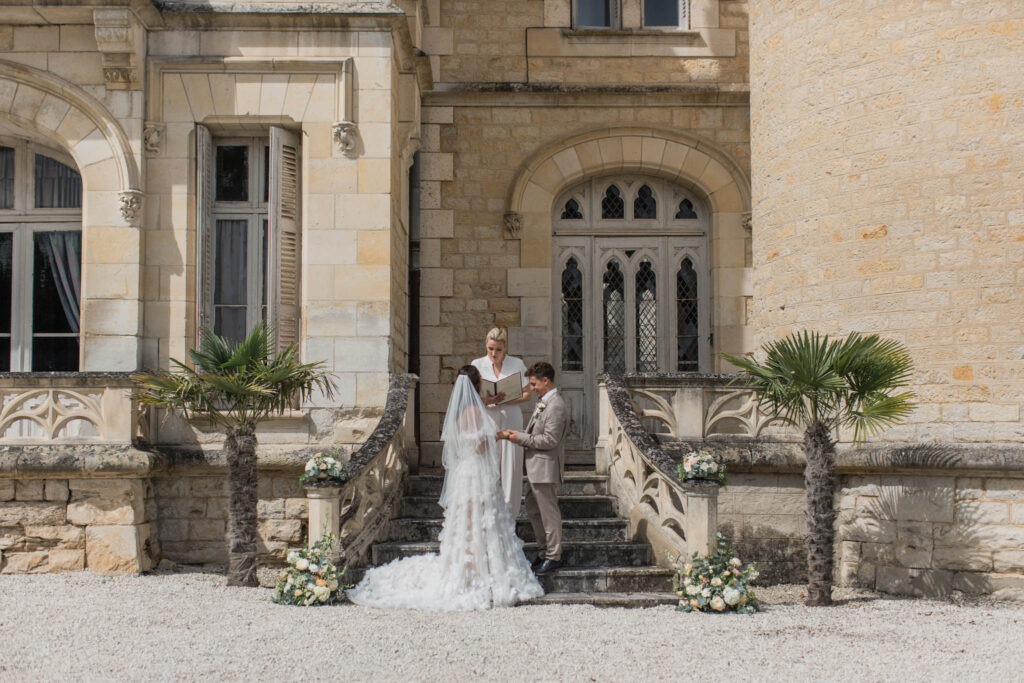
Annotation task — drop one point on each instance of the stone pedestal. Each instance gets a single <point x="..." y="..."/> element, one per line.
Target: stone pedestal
<point x="701" y="517"/>
<point x="324" y="508"/>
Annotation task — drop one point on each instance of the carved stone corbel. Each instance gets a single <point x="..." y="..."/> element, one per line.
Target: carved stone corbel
<point x="513" y="225"/>
<point x="131" y="206"/>
<point x="345" y="136"/>
<point x="120" y="42"/>
<point x="748" y="223"/>
<point x="152" y="137"/>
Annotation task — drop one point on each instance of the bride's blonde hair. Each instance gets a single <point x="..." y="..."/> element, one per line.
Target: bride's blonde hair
<point x="498" y="334"/>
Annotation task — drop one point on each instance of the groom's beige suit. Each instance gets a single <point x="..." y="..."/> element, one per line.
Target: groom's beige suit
<point x="544" y="460"/>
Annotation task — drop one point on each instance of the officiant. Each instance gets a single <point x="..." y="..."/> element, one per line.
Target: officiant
<point x="496" y="365"/>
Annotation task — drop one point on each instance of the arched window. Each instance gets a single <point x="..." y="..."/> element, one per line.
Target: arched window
<point x="40" y="259"/>
<point x="572" y="317"/>
<point x="646" y="319"/>
<point x="614" y="309"/>
<point x="645" y="205"/>
<point x="687" y="347"/>
<point x="612" y="205"/>
<point x="686" y="210"/>
<point x="572" y="211"/>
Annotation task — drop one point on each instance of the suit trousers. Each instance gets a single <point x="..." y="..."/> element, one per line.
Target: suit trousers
<point x="545" y="518"/>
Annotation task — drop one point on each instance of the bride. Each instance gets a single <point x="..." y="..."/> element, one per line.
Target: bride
<point x="481" y="562"/>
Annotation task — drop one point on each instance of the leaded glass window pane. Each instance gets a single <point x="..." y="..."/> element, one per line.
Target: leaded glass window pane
<point x="646" y="319"/>
<point x="686" y="210"/>
<point x="6" y="178"/>
<point x="661" y="12"/>
<point x="572" y="210"/>
<point x="612" y="205"/>
<point x="687" y="357"/>
<point x="572" y="317"/>
<point x="645" y="205"/>
<point x="57" y="186"/>
<point x="614" y="310"/>
<point x="594" y="13"/>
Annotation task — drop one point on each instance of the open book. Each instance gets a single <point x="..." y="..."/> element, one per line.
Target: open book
<point x="511" y="386"/>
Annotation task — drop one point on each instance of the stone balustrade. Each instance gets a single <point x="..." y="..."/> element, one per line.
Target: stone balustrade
<point x="677" y="519"/>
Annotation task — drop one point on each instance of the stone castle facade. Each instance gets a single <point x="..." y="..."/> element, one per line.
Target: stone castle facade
<point x="627" y="185"/>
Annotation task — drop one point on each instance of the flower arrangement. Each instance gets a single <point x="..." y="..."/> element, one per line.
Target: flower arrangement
<point x="701" y="465"/>
<point x="716" y="583"/>
<point x="310" y="578"/>
<point x="326" y="469"/>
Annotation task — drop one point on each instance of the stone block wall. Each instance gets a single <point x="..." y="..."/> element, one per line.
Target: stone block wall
<point x="53" y="525"/>
<point x="913" y="534"/>
<point x="888" y="160"/>
<point x="193" y="516"/>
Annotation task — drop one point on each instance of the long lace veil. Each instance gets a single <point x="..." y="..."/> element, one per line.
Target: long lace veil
<point x="468" y="432"/>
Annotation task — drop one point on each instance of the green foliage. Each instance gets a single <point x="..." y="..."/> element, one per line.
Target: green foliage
<point x="812" y="380"/>
<point x="235" y="386"/>
<point x="310" y="578"/>
<point x="716" y="583"/>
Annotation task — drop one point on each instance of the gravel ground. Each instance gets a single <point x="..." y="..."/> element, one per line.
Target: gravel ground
<point x="187" y="626"/>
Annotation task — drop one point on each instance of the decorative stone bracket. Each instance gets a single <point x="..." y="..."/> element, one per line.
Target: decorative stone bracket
<point x="513" y="225"/>
<point x="748" y="223"/>
<point x="131" y="207"/>
<point x="119" y="38"/>
<point x="345" y="136"/>
<point x="153" y="137"/>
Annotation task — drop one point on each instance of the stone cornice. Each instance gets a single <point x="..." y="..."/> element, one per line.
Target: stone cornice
<point x="556" y="95"/>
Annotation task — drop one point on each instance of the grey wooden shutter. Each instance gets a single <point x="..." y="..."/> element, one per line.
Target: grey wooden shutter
<point x="204" y="228"/>
<point x="283" y="259"/>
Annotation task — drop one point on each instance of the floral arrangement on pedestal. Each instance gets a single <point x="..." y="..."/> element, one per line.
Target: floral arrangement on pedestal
<point x="325" y="469"/>
<point x="700" y="465"/>
<point x="310" y="578"/>
<point x="716" y="583"/>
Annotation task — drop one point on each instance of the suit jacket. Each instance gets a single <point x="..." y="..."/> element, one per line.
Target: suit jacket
<point x="542" y="442"/>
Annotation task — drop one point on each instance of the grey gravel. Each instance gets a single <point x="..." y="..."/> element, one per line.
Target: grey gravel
<point x="188" y="626"/>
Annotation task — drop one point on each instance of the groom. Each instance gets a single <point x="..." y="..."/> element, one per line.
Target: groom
<point x="544" y="459"/>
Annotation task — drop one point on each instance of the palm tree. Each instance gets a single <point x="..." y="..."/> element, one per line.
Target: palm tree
<point x="236" y="386"/>
<point x="823" y="384"/>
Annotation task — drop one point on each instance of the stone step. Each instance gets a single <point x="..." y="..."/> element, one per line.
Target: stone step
<point x="574" y="484"/>
<point x="574" y="507"/>
<point x="605" y="554"/>
<point x="628" y="600"/>
<point x="581" y="581"/>
<point x="427" y="530"/>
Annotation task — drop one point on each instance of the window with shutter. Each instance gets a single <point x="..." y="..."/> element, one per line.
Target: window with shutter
<point x="284" y="230"/>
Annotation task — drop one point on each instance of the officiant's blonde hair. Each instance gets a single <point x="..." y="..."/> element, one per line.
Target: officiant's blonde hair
<point x="498" y="334"/>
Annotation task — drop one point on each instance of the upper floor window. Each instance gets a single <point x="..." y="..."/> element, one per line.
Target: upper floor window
<point x="248" y="234"/>
<point x="666" y="13"/>
<point x="596" y="13"/>
<point x="657" y="14"/>
<point x="40" y="258"/>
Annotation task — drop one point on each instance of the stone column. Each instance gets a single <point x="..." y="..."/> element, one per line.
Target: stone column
<point x="701" y="517"/>
<point x="324" y="509"/>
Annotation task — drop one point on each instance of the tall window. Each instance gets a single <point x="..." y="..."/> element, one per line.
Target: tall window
<point x="646" y="319"/>
<point x="596" y="13"/>
<point x="614" y="304"/>
<point x="40" y="259"/>
<point x="248" y="261"/>
<point x="572" y="316"/>
<point x="687" y="321"/>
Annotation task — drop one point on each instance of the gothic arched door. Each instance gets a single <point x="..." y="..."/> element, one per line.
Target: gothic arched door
<point x="631" y="287"/>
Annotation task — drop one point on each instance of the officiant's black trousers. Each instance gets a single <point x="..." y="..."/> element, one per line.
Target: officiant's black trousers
<point x="546" y="519"/>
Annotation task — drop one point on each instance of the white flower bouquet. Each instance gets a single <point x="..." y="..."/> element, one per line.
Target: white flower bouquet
<point x="716" y="583"/>
<point x="324" y="469"/>
<point x="310" y="578"/>
<point x="701" y="465"/>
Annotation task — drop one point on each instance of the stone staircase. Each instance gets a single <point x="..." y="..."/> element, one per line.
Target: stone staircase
<point x="602" y="567"/>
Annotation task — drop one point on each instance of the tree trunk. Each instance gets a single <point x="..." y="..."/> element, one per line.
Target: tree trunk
<point x="240" y="448"/>
<point x="820" y="483"/>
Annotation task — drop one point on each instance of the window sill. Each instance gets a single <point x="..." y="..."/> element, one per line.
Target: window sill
<point x="562" y="42"/>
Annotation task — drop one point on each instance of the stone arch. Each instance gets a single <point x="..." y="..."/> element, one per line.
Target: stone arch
<point x="671" y="155"/>
<point x="75" y="120"/>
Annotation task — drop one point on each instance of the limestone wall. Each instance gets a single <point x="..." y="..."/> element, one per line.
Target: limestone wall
<point x="888" y="158"/>
<point x="57" y="524"/>
<point x="915" y="534"/>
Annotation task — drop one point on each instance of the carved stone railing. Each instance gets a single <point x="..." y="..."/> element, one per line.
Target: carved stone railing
<point x="682" y="407"/>
<point x="677" y="519"/>
<point x="67" y="408"/>
<point x="369" y="500"/>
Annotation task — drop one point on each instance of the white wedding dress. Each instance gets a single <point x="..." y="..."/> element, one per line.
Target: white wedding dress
<point x="480" y="563"/>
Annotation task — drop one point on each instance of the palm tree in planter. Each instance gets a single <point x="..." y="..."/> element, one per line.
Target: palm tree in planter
<point x="236" y="386"/>
<point x="822" y="384"/>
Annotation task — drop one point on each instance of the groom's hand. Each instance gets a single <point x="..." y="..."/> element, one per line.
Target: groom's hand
<point x="512" y="435"/>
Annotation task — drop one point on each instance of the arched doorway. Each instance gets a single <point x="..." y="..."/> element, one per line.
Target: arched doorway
<point x="631" y="286"/>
